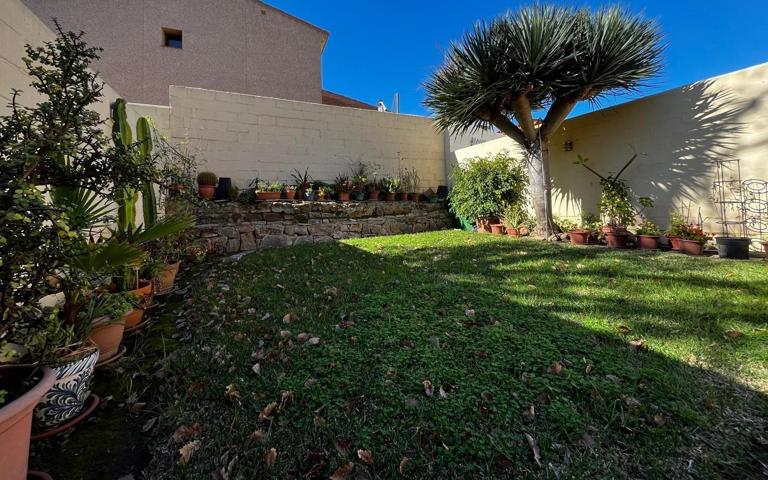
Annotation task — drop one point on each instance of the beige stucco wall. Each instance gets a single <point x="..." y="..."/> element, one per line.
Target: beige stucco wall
<point x="234" y="45"/>
<point x="20" y="26"/>
<point x="677" y="135"/>
<point x="244" y="136"/>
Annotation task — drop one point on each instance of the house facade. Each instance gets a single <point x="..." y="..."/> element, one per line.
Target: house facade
<point x="243" y="46"/>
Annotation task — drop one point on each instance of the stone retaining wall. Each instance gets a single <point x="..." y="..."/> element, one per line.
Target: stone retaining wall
<point x="234" y="227"/>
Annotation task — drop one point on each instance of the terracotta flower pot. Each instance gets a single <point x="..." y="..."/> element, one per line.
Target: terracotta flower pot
<point x="290" y="194"/>
<point x="268" y="195"/>
<point x="134" y="317"/>
<point x="616" y="239"/>
<point x="691" y="247"/>
<point x="674" y="242"/>
<point x="513" y="232"/>
<point x="391" y="196"/>
<point x="343" y="196"/>
<point x="206" y="192"/>
<point x="145" y="291"/>
<point x="414" y="197"/>
<point x="403" y="197"/>
<point x="497" y="229"/>
<point x="374" y="196"/>
<point x="648" y="242"/>
<point x="166" y="278"/>
<point x="16" y="417"/>
<point x="484" y="224"/>
<point x="525" y="231"/>
<point x="107" y="334"/>
<point x="579" y="237"/>
<point x="66" y="397"/>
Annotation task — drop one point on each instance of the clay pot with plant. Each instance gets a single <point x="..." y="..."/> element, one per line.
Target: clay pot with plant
<point x="21" y="388"/>
<point x="343" y="186"/>
<point x="289" y="192"/>
<point x="648" y="235"/>
<point x="616" y="204"/>
<point x="104" y="315"/>
<point x="206" y="185"/>
<point x="693" y="243"/>
<point x="515" y="216"/>
<point x="484" y="185"/>
<point x="390" y="186"/>
<point x="268" y="191"/>
<point x="303" y="182"/>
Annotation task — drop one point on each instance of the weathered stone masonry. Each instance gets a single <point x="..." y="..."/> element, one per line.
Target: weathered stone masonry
<point x="233" y="227"/>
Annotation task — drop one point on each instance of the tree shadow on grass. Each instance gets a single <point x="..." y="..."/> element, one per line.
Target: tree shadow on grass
<point x="415" y="310"/>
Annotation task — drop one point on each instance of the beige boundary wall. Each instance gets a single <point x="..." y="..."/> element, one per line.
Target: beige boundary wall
<point x="245" y="136"/>
<point x="677" y="135"/>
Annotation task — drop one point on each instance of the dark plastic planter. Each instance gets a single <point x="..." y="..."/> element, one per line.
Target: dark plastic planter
<point x="734" y="248"/>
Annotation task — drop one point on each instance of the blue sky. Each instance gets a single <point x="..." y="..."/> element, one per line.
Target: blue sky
<point x="378" y="48"/>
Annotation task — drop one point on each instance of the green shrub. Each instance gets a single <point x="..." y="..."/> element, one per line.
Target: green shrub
<point x="486" y="184"/>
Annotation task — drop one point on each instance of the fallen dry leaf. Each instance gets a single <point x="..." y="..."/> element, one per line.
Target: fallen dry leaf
<point x="187" y="450"/>
<point x="231" y="393"/>
<point x="365" y="456"/>
<point x="556" y="368"/>
<point x="319" y="421"/>
<point x="268" y="411"/>
<point x="313" y="341"/>
<point x="285" y="333"/>
<point x="659" y="419"/>
<point x="630" y="401"/>
<point x="258" y="436"/>
<point x="185" y="433"/>
<point x="403" y="465"/>
<point x="623" y="329"/>
<point x="290" y="317"/>
<point x="343" y="472"/>
<point x="637" y="344"/>
<point x="429" y="390"/>
<point x="733" y="334"/>
<point x="469" y="312"/>
<point x="534" y="449"/>
<point x="443" y="393"/>
<point x="303" y="337"/>
<point x="256" y="368"/>
<point x="270" y="457"/>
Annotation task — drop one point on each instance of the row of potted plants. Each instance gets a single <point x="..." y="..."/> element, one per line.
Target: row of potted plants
<point x="78" y="269"/>
<point x="360" y="184"/>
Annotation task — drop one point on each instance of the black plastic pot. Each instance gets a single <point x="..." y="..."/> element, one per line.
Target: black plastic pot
<point x="733" y="248"/>
<point x="222" y="190"/>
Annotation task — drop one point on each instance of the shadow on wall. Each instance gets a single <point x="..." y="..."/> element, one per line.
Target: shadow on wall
<point x="678" y="136"/>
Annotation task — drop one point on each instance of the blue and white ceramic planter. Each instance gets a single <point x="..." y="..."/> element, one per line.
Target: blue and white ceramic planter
<point x="66" y="398"/>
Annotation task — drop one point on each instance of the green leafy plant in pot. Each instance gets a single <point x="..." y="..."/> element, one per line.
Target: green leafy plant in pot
<point x="484" y="185"/>
<point x="268" y="190"/>
<point x="343" y="185"/>
<point x="515" y="217"/>
<point x="648" y="234"/>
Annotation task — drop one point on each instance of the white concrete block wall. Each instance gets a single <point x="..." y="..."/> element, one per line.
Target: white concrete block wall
<point x="245" y="136"/>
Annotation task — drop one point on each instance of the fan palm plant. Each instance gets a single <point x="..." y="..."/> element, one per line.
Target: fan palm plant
<point x="540" y="58"/>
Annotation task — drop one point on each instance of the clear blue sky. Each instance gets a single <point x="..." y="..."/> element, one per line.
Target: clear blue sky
<point x="378" y="48"/>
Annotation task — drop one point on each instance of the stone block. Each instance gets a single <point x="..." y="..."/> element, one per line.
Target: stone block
<point x="275" y="241"/>
<point x="233" y="245"/>
<point x="248" y="242"/>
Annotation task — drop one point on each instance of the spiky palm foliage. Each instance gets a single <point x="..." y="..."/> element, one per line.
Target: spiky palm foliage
<point x="541" y="57"/>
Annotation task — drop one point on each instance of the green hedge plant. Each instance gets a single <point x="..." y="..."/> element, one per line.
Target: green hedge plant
<point x="483" y="186"/>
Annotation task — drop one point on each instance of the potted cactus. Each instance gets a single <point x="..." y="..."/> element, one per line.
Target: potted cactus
<point x="206" y="185"/>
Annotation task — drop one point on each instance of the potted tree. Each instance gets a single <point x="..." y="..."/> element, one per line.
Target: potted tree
<point x="648" y="234"/>
<point x="484" y="185"/>
<point x="206" y="185"/>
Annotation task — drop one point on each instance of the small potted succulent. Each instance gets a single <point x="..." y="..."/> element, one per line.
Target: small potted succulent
<point x="343" y="185"/>
<point x="648" y="234"/>
<point x="206" y="185"/>
<point x="104" y="317"/>
<point x="290" y="192"/>
<point x="269" y="191"/>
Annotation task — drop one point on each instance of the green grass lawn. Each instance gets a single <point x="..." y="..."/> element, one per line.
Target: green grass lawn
<point x="545" y="361"/>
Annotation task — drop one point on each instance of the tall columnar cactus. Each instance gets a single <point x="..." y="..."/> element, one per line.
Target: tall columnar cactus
<point x="149" y="201"/>
<point x="127" y="197"/>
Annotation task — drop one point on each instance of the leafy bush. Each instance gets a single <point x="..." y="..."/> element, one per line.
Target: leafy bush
<point x="486" y="184"/>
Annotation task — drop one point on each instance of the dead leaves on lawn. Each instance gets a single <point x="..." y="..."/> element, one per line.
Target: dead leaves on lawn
<point x="187" y="450"/>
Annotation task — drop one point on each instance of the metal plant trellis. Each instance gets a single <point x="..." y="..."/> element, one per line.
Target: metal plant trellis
<point x="728" y="196"/>
<point x="742" y="204"/>
<point x="756" y="207"/>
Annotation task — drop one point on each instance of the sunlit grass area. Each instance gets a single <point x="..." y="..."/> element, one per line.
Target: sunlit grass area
<point x="459" y="355"/>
